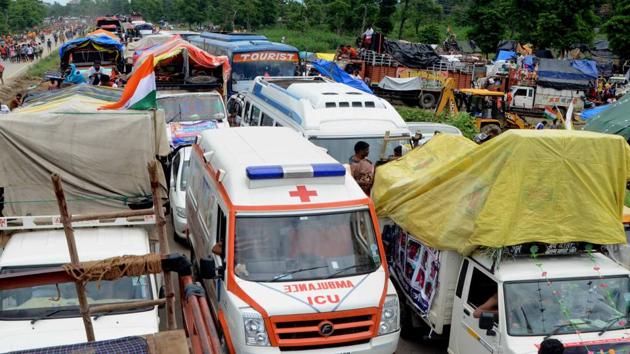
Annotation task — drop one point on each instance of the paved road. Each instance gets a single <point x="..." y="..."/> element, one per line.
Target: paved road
<point x="404" y="346"/>
<point x="13" y="70"/>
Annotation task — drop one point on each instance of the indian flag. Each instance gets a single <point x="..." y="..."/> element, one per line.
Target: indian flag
<point x="140" y="90"/>
<point x="550" y="113"/>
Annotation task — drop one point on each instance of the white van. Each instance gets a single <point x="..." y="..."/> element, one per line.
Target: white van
<point x="180" y="169"/>
<point x="288" y="245"/>
<point x="331" y="115"/>
<point x="49" y="315"/>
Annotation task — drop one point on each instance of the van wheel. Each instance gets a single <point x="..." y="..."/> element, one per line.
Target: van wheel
<point x="407" y="328"/>
<point x="427" y="101"/>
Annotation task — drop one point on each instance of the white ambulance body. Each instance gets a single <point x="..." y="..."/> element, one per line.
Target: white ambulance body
<point x="332" y="115"/>
<point x="289" y="246"/>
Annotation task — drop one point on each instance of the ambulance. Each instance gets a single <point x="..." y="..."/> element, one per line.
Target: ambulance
<point x="288" y="246"/>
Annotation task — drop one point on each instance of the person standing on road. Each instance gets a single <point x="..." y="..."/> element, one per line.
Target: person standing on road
<point x="49" y="44"/>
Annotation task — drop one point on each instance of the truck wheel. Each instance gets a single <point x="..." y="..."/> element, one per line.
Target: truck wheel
<point x="427" y="101"/>
<point x="407" y="328"/>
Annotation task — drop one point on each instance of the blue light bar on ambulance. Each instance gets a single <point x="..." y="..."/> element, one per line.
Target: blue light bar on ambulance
<point x="295" y="171"/>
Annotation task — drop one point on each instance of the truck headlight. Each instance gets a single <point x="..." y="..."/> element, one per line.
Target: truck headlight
<point x="389" y="316"/>
<point x="255" y="332"/>
<point x="181" y="212"/>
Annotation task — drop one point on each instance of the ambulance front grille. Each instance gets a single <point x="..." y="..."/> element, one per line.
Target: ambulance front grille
<point x="349" y="327"/>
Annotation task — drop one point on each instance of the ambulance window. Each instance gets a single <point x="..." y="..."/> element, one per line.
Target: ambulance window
<point x="221" y="229"/>
<point x="255" y="116"/>
<point x="209" y="213"/>
<point x="279" y="125"/>
<point x="357" y="104"/>
<point x="266" y="121"/>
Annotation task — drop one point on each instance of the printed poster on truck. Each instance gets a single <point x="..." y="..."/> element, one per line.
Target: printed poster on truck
<point x="415" y="265"/>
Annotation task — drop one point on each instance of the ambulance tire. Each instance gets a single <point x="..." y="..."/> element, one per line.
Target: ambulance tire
<point x="427" y="101"/>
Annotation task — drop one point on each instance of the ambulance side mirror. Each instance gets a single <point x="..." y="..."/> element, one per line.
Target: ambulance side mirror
<point x="208" y="269"/>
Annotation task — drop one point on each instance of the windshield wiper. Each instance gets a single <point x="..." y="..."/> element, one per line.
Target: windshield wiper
<point x="50" y="313"/>
<point x="280" y="276"/>
<point x="611" y="323"/>
<point x="559" y="327"/>
<point x="348" y="268"/>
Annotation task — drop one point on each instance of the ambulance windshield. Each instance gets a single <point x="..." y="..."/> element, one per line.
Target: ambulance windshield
<point x="305" y="247"/>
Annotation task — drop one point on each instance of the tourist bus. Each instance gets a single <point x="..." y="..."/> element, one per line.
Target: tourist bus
<point x="250" y="55"/>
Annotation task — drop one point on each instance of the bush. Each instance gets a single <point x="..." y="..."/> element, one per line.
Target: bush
<point x="315" y="40"/>
<point x="463" y="121"/>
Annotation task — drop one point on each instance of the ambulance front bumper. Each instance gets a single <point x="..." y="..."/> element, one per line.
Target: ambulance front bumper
<point x="385" y="344"/>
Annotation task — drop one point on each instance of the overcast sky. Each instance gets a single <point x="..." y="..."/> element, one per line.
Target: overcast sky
<point x="62" y="2"/>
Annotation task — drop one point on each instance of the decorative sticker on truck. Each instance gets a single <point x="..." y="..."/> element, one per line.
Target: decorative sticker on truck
<point x="415" y="265"/>
<point x="264" y="56"/>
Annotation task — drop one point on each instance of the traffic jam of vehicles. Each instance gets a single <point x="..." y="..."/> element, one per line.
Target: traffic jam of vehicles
<point x="179" y="191"/>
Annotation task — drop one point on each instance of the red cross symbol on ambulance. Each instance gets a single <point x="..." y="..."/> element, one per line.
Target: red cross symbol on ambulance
<point x="303" y="193"/>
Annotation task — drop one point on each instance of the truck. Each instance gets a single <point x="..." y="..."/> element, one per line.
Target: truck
<point x="496" y="263"/>
<point x="526" y="312"/>
<point x="97" y="181"/>
<point x="287" y="246"/>
<point x="534" y="99"/>
<point x="49" y="315"/>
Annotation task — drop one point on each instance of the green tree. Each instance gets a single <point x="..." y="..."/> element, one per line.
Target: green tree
<point x="561" y="24"/>
<point x="616" y="28"/>
<point x="336" y="13"/>
<point x="25" y="14"/>
<point x="387" y="9"/>
<point x="488" y="23"/>
<point x="429" y="34"/>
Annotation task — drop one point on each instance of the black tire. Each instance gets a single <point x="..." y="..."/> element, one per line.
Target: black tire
<point x="427" y="101"/>
<point x="407" y="329"/>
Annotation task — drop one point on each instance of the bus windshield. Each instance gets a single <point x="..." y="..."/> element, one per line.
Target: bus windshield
<point x="342" y="149"/>
<point x="191" y="108"/>
<point x="305" y="247"/>
<point x="249" y="70"/>
<point x="60" y="300"/>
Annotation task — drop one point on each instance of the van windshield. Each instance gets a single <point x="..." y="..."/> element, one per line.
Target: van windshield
<point x="343" y="148"/>
<point x="305" y="247"/>
<point x="43" y="301"/>
<point x="191" y="108"/>
<point x="565" y="306"/>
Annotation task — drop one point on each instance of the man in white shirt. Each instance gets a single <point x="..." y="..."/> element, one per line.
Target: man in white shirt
<point x="94" y="73"/>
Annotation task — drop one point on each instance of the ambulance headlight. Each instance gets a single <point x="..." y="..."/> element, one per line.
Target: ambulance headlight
<point x="254" y="326"/>
<point x="389" y="316"/>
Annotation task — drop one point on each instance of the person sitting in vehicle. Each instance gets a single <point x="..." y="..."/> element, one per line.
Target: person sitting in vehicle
<point x="94" y="73"/>
<point x="491" y="305"/>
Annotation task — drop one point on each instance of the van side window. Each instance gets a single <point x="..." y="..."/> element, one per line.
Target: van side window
<point x="520" y="92"/>
<point x="462" y="279"/>
<point x="221" y="230"/>
<point x="279" y="125"/>
<point x="246" y="113"/>
<point x="266" y="121"/>
<point x="482" y="290"/>
<point x="255" y="116"/>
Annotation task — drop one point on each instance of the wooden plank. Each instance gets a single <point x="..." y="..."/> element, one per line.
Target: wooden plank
<point x="160" y="224"/>
<point x="126" y="306"/>
<point x="113" y="215"/>
<point x="66" y="220"/>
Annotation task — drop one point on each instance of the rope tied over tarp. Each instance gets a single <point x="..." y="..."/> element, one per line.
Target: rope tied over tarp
<point x="115" y="267"/>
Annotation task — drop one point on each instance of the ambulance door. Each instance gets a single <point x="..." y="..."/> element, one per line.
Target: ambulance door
<point x="218" y="252"/>
<point x="476" y="288"/>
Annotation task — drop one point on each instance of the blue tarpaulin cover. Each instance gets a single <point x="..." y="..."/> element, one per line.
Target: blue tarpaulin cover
<point x="101" y="40"/>
<point x="590" y="113"/>
<point x="561" y="74"/>
<point x="331" y="70"/>
<point x="506" y="55"/>
<point x="586" y="67"/>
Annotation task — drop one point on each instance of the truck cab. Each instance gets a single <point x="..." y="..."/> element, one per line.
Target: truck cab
<point x="49" y="315"/>
<point x="288" y="246"/>
<point x="580" y="299"/>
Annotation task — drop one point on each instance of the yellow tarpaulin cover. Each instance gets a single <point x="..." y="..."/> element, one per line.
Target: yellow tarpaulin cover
<point x="523" y="186"/>
<point x="325" y="56"/>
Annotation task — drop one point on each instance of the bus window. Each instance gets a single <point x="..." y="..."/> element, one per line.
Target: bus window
<point x="254" y="118"/>
<point x="266" y="121"/>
